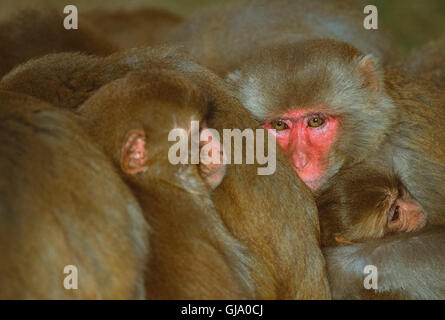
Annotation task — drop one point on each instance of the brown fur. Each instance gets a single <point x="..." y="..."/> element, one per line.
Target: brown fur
<point x="130" y="29"/>
<point x="365" y="203"/>
<point x="386" y="117"/>
<point x="316" y="72"/>
<point x="193" y="254"/>
<point x="416" y="141"/>
<point x="33" y="33"/>
<point x="222" y="36"/>
<point x="267" y="214"/>
<point x="397" y="125"/>
<point x="409" y="266"/>
<point x="254" y="222"/>
<point x="427" y="62"/>
<point x="63" y="204"/>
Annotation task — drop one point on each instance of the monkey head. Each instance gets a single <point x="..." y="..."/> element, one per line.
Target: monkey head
<point x="324" y="100"/>
<point x="366" y="203"/>
<point x="141" y="110"/>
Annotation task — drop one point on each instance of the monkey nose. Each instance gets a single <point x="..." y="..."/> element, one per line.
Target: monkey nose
<point x="300" y="160"/>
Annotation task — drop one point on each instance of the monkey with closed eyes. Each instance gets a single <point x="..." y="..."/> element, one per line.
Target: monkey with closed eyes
<point x="366" y="203"/>
<point x="368" y="217"/>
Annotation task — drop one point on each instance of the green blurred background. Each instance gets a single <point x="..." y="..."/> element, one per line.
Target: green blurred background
<point x="412" y="22"/>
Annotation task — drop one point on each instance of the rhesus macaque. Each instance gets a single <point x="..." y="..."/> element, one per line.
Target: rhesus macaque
<point x="273" y="216"/>
<point x="366" y="203"/>
<point x="63" y="204"/>
<point x="219" y="37"/>
<point x="34" y="33"/>
<point x="333" y="107"/>
<point x="360" y="216"/>
<point x="193" y="254"/>
<point x="409" y="266"/>
<point x="130" y="29"/>
<point x="325" y="101"/>
<point x="427" y="62"/>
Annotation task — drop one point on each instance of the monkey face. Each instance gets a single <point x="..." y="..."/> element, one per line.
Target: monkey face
<point x="366" y="203"/>
<point x="306" y="138"/>
<point x="324" y="98"/>
<point x="405" y="214"/>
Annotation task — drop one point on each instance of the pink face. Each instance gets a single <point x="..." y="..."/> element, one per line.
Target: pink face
<point x="306" y="137"/>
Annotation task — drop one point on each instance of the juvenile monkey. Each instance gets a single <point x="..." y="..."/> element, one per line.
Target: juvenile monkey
<point x="369" y="218"/>
<point x="269" y="215"/>
<point x="366" y="203"/>
<point x="193" y="254"/>
<point x="334" y="107"/>
<point x="250" y="220"/>
<point x="62" y="204"/>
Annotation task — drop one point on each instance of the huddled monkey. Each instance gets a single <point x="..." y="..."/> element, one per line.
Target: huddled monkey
<point x="220" y="36"/>
<point x="269" y="221"/>
<point x="332" y="107"/>
<point x="64" y="205"/>
<point x="366" y="203"/>
<point x="194" y="256"/>
<point x="369" y="218"/>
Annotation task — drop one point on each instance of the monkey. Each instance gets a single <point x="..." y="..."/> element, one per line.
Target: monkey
<point x="324" y="100"/>
<point x="408" y="265"/>
<point x="369" y="218"/>
<point x="193" y="254"/>
<point x="333" y="107"/>
<point x="64" y="206"/>
<point x="131" y="29"/>
<point x="253" y="222"/>
<point x="268" y="214"/>
<point x="366" y="203"/>
<point x="222" y="35"/>
<point x="34" y="33"/>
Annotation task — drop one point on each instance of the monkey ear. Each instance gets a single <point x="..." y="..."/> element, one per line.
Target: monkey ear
<point x="133" y="152"/>
<point x="234" y="77"/>
<point x="368" y="68"/>
<point x="212" y="167"/>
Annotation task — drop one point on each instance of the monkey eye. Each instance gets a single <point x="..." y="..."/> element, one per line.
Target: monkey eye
<point x="394" y="213"/>
<point x="279" y="125"/>
<point x="315" y="122"/>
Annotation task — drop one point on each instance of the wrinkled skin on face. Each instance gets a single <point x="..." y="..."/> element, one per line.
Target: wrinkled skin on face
<point x="306" y="137"/>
